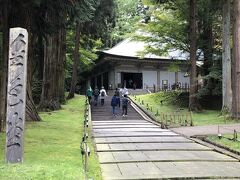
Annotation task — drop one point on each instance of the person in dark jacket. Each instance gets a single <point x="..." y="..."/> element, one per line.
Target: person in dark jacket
<point x="117" y="92"/>
<point x="114" y="103"/>
<point x="125" y="102"/>
<point x="96" y="94"/>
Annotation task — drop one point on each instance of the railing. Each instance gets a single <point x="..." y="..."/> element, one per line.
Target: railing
<point x="85" y="150"/>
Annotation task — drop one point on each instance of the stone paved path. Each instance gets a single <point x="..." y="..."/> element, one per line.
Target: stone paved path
<point x="134" y="148"/>
<point x="207" y="130"/>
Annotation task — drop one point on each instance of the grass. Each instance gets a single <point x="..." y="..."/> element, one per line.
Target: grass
<point x="235" y="145"/>
<point x="52" y="147"/>
<point x="174" y="101"/>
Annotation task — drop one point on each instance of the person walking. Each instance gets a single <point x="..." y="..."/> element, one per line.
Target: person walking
<point x="114" y="103"/>
<point x="125" y="102"/>
<point x="117" y="93"/>
<point x="103" y="94"/>
<point x="89" y="94"/>
<point x="96" y="94"/>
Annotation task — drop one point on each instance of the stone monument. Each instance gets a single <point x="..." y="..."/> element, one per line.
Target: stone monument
<point x="16" y="95"/>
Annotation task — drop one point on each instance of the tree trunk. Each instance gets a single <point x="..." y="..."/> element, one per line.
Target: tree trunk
<point x="53" y="73"/>
<point x="4" y="67"/>
<point x="75" y="62"/>
<point x="31" y="110"/>
<point x="207" y="40"/>
<point x="193" y="102"/>
<point x="226" y="55"/>
<point x="236" y="60"/>
<point x="62" y="62"/>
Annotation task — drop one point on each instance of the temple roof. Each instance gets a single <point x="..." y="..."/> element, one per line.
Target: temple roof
<point x="131" y="48"/>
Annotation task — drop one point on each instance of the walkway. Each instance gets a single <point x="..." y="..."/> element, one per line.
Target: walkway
<point x="134" y="148"/>
<point x="207" y="130"/>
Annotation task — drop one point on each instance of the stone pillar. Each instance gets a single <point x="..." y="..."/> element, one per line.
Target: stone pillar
<point x="16" y="95"/>
<point x="158" y="80"/>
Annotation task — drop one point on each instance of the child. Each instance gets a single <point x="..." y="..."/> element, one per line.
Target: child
<point x="125" y="102"/>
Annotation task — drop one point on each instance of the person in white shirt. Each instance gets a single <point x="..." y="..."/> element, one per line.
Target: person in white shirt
<point x="124" y="91"/>
<point x="102" y="95"/>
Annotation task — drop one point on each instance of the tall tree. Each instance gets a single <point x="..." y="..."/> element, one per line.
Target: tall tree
<point x="193" y="102"/>
<point x="54" y="55"/>
<point x="16" y="15"/>
<point x="236" y="60"/>
<point x="76" y="59"/>
<point x="226" y="56"/>
<point x="4" y="63"/>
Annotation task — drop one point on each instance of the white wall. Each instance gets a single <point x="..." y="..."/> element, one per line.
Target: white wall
<point x="149" y="78"/>
<point x="165" y="75"/>
<point x="183" y="79"/>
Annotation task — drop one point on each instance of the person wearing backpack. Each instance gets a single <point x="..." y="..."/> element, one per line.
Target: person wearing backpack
<point x="89" y="94"/>
<point x="103" y="94"/>
<point x="96" y="94"/>
<point x="114" y="103"/>
<point x="117" y="92"/>
<point x="125" y="102"/>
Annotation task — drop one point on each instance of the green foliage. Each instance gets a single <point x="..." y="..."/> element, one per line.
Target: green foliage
<point x="166" y="30"/>
<point x="177" y="101"/>
<point x="234" y="145"/>
<point x="88" y="48"/>
<point x="170" y="98"/>
<point x="52" y="147"/>
<point x="102" y="23"/>
<point x="214" y="82"/>
<point x="127" y="17"/>
<point x="173" y="67"/>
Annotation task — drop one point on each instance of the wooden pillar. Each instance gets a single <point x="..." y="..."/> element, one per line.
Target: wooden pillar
<point x="158" y="80"/>
<point x="176" y="77"/>
<point x="16" y="95"/>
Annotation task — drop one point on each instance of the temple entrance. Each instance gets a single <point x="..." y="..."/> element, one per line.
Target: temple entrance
<point x="132" y="80"/>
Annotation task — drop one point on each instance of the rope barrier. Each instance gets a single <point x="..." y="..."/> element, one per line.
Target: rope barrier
<point x="85" y="150"/>
<point x="169" y="118"/>
<point x="230" y="131"/>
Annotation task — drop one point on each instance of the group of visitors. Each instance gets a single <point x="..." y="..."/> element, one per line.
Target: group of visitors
<point x="119" y="94"/>
<point x="97" y="95"/>
<point x="115" y="102"/>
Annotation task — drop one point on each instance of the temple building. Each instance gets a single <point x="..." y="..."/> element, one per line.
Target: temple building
<point x="121" y="66"/>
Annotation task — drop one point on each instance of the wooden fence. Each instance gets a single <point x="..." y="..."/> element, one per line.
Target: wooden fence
<point x="176" y="118"/>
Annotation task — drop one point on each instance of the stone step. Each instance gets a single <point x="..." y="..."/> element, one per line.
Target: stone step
<point x="112" y="140"/>
<point x="130" y="129"/>
<point x="124" y="126"/>
<point x="162" y="156"/>
<point x="151" y="147"/>
<point x="171" y="170"/>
